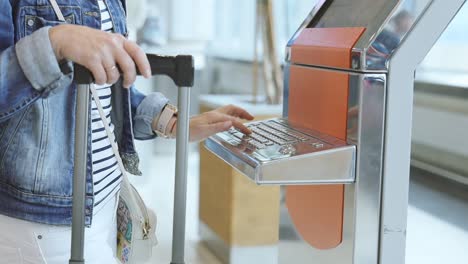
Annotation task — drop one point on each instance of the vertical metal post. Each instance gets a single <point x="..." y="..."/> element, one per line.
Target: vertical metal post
<point x="79" y="178"/>
<point x="424" y="34"/>
<point x="180" y="191"/>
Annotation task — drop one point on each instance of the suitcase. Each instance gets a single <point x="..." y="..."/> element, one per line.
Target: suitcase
<point x="181" y="70"/>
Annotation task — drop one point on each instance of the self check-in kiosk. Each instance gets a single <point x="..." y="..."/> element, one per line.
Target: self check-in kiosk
<point x="342" y="149"/>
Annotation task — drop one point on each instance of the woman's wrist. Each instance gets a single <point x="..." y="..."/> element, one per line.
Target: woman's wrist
<point x="54" y="37"/>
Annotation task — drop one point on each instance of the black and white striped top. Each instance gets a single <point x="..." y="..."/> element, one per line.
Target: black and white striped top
<point x="106" y="21"/>
<point x="106" y="173"/>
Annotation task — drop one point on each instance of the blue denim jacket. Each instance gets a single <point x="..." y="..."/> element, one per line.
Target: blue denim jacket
<point x="37" y="111"/>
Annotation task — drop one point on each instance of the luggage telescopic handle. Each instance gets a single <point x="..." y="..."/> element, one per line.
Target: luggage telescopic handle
<point x="179" y="68"/>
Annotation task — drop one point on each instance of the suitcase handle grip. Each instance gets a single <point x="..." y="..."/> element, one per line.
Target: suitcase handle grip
<point x="179" y="68"/>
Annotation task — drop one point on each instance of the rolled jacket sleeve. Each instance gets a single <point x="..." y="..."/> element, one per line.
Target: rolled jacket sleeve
<point x="150" y="107"/>
<point x="39" y="64"/>
<point x="28" y="69"/>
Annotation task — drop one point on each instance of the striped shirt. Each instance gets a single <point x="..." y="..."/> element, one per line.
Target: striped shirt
<point x="106" y="173"/>
<point x="106" y="21"/>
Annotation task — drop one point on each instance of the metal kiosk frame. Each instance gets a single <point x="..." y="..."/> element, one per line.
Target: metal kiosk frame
<point x="349" y="73"/>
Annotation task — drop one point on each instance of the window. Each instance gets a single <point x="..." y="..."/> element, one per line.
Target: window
<point x="235" y="20"/>
<point x="233" y="36"/>
<point x="450" y="53"/>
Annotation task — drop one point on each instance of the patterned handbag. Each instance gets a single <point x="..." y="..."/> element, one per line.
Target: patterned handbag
<point x="135" y="226"/>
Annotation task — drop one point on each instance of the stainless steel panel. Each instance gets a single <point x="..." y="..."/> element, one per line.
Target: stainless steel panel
<point x="402" y="65"/>
<point x="362" y="200"/>
<point x="376" y="48"/>
<point x="380" y="108"/>
<point x="286" y="79"/>
<point x="309" y="157"/>
<point x="387" y="24"/>
<point x="345" y="13"/>
<point x="370" y="123"/>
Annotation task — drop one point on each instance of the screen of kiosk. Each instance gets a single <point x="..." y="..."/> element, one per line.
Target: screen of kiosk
<point x="348" y="13"/>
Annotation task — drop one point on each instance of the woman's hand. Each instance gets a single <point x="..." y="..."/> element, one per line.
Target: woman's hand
<point x="103" y="53"/>
<point x="218" y="120"/>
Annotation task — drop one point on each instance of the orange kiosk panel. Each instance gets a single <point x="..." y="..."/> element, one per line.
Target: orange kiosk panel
<point x="318" y="100"/>
<point x="329" y="47"/>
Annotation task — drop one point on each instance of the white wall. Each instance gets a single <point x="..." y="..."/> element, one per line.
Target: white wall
<point x="441" y="129"/>
<point x="188" y="20"/>
<point x="450" y="53"/>
<point x="235" y="26"/>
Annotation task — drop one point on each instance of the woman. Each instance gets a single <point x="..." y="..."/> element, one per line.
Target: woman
<point x="37" y="116"/>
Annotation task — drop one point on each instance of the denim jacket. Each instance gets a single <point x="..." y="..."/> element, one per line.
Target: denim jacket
<point x="37" y="111"/>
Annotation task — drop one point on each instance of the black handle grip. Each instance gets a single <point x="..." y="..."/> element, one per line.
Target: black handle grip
<point x="179" y="68"/>
<point x="81" y="75"/>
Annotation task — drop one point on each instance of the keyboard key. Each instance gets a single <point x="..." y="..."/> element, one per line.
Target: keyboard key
<point x="238" y="135"/>
<point x="259" y="138"/>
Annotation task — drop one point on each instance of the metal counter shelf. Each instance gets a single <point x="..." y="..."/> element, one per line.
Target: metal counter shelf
<point x="313" y="158"/>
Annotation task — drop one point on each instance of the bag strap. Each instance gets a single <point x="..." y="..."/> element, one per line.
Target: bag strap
<point x="57" y="10"/>
<point x="135" y="197"/>
<point x="109" y="133"/>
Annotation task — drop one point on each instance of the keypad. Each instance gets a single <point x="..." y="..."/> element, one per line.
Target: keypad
<point x="268" y="134"/>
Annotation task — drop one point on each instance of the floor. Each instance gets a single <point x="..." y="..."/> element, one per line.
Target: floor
<point x="437" y="221"/>
<point x="157" y="189"/>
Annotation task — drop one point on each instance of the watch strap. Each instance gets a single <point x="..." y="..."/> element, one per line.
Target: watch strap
<point x="161" y="124"/>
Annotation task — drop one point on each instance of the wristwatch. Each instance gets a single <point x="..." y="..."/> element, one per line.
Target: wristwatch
<point x="163" y="124"/>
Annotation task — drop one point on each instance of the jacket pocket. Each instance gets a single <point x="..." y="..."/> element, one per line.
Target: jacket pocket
<point x="33" y="18"/>
<point x="33" y="23"/>
<point x="20" y="149"/>
<point x="3" y="128"/>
